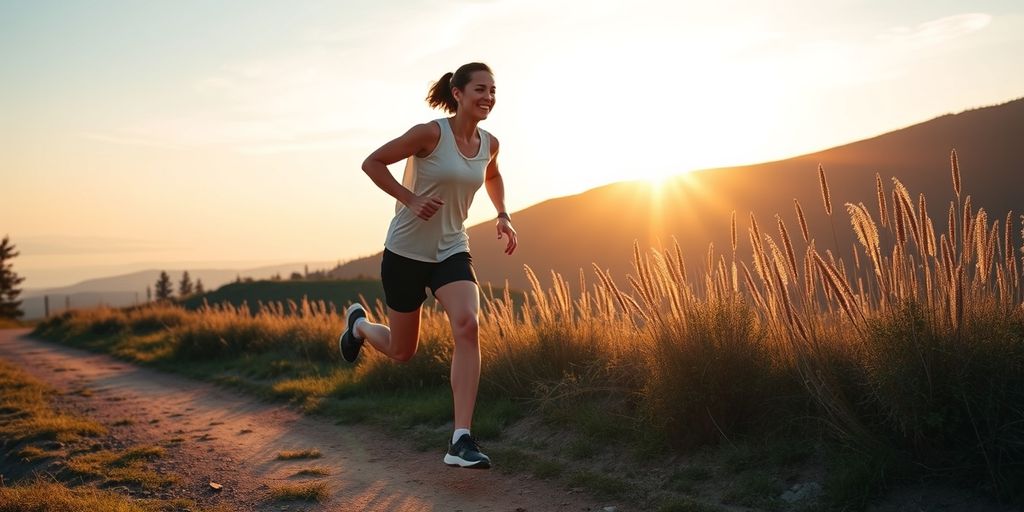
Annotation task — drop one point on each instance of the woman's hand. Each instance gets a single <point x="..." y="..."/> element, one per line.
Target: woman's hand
<point x="424" y="207"/>
<point x="505" y="228"/>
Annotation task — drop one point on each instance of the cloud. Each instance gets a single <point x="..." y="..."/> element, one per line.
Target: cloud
<point x="937" y="31"/>
<point x="342" y="87"/>
<point x="281" y="102"/>
<point x="338" y="87"/>
<point x="311" y="97"/>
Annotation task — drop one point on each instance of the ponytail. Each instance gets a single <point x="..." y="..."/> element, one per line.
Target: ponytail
<point x="440" y="95"/>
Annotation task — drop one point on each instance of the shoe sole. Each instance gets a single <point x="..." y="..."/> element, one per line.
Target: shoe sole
<point x="348" y="322"/>
<point x="458" y="462"/>
<point x="341" y="346"/>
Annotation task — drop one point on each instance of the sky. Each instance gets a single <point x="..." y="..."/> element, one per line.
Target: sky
<point x="231" y="133"/>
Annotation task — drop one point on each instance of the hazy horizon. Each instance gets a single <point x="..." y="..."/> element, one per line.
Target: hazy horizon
<point x="153" y="134"/>
<point x="69" y="276"/>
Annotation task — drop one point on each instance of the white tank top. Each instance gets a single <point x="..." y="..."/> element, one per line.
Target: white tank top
<point x="453" y="177"/>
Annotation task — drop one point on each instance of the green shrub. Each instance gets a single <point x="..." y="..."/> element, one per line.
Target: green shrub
<point x="952" y="398"/>
<point x="711" y="375"/>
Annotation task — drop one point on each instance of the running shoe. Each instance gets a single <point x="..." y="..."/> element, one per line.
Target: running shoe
<point x="465" y="453"/>
<point x="348" y="343"/>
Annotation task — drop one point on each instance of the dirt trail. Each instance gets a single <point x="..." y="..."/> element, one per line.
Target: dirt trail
<point x="234" y="439"/>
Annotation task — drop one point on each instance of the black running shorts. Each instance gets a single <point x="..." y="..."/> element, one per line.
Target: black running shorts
<point x="405" y="279"/>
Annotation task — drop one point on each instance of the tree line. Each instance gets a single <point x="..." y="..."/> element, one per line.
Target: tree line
<point x="165" y="288"/>
<point x="10" y="305"/>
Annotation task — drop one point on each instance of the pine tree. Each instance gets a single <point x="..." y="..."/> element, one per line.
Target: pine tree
<point x="149" y="294"/>
<point x="10" y="307"/>
<point x="199" y="287"/>
<point x="164" y="288"/>
<point x="185" y="285"/>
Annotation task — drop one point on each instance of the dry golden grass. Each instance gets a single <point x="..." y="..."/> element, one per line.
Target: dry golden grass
<point x="299" y="454"/>
<point x="826" y="198"/>
<point x="301" y="492"/>
<point x="912" y="343"/>
<point x="314" y="471"/>
<point x="50" y="496"/>
<point x="26" y="404"/>
<point x="30" y="453"/>
<point x="127" y="466"/>
<point x="43" y="495"/>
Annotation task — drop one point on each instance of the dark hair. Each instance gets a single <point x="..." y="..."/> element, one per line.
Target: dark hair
<point x="440" y="95"/>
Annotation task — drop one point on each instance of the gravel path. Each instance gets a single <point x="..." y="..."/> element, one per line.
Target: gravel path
<point x="233" y="440"/>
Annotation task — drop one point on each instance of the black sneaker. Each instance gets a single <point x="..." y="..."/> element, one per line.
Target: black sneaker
<point x="465" y="453"/>
<point x="348" y="343"/>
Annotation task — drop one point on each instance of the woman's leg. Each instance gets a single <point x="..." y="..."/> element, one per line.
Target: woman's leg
<point x="397" y="340"/>
<point x="461" y="300"/>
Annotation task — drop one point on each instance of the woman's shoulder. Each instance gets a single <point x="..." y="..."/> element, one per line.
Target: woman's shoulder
<point x="493" y="141"/>
<point x="427" y="128"/>
<point x="426" y="136"/>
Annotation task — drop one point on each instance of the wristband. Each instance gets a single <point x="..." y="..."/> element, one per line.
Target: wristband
<point x="504" y="215"/>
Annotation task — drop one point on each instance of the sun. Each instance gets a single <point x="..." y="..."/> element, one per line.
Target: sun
<point x="658" y="177"/>
<point x="622" y="114"/>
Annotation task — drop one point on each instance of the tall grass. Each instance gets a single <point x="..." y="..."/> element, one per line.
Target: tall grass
<point x="214" y="331"/>
<point x="223" y="330"/>
<point x="911" y="345"/>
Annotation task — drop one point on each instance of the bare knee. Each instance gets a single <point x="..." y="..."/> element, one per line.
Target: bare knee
<point x="403" y="357"/>
<point x="404" y="347"/>
<point x="404" y="335"/>
<point x="466" y="329"/>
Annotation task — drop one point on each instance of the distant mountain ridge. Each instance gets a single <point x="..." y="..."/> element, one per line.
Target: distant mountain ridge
<point x="128" y="289"/>
<point x="569" y="233"/>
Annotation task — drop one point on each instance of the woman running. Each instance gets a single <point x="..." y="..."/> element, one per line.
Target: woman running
<point x="446" y="162"/>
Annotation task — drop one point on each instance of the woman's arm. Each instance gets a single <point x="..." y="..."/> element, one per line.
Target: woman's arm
<point x="420" y="139"/>
<point x="496" y="191"/>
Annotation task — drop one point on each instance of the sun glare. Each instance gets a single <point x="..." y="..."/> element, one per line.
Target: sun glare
<point x="657" y="178"/>
<point x="628" y="116"/>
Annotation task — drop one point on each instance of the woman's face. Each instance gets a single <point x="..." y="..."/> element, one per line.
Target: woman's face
<point x="477" y="100"/>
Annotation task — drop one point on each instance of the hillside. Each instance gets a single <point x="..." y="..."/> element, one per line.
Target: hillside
<point x="340" y="293"/>
<point x="600" y="225"/>
<point x="337" y="292"/>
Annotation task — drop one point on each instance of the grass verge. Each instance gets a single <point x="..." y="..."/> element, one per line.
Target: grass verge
<point x="52" y="461"/>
